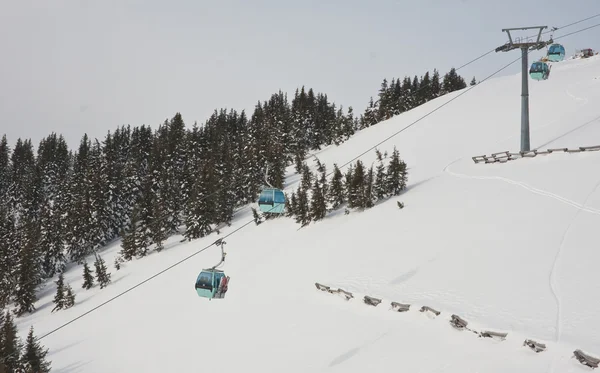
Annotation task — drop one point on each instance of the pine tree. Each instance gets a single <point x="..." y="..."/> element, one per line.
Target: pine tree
<point x="303" y="208"/>
<point x="102" y="274"/>
<point x="69" y="297"/>
<point x="88" y="278"/>
<point x="129" y="246"/>
<point x="34" y="355"/>
<point x="473" y="82"/>
<point x="29" y="269"/>
<point x="59" y="297"/>
<point x="368" y="193"/>
<point x="293" y="207"/>
<point x="199" y="209"/>
<point x="356" y="196"/>
<point x="337" y="195"/>
<point x="11" y="346"/>
<point x="397" y="174"/>
<point x="318" y="206"/>
<point x="380" y="186"/>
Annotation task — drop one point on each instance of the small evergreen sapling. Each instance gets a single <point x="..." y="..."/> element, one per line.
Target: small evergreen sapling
<point x="69" y="297"/>
<point x="88" y="278"/>
<point x="59" y="297"/>
<point x="102" y="274"/>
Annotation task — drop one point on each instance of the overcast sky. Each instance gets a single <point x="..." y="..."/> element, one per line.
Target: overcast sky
<point x="89" y="66"/>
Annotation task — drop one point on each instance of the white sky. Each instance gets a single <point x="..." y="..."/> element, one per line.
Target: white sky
<point x="89" y="66"/>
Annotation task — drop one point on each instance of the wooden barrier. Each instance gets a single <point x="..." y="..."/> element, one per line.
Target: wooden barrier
<point x="429" y="309"/>
<point x="505" y="156"/>
<point x="399" y="307"/>
<point x="493" y="335"/>
<point x="371" y="301"/>
<point x="535" y="346"/>
<point x="458" y="323"/>
<point x="586" y="359"/>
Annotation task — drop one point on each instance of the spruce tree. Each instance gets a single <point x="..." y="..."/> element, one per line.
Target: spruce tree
<point x="397" y="174"/>
<point x="293" y="205"/>
<point x="59" y="297"/>
<point x="336" y="193"/>
<point x="368" y="193"/>
<point x="303" y="208"/>
<point x="199" y="209"/>
<point x="34" y="355"/>
<point x="11" y="346"/>
<point x="318" y="206"/>
<point x="380" y="184"/>
<point x="88" y="278"/>
<point x="102" y="274"/>
<point x="356" y="195"/>
<point x="29" y="269"/>
<point x="69" y="297"/>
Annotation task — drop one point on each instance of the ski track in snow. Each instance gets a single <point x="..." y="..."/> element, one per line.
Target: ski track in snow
<point x="528" y="187"/>
<point x="552" y="277"/>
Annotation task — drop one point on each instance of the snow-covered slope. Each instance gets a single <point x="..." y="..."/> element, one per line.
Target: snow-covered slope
<point x="509" y="247"/>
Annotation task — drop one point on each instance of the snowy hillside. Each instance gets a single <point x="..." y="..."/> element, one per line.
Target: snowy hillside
<point x="509" y="247"/>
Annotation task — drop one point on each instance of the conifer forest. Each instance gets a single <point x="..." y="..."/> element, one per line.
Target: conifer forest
<point x="62" y="205"/>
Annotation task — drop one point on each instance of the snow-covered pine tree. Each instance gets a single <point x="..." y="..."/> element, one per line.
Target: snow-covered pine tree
<point x="385" y="101"/>
<point x="303" y="207"/>
<point x="370" y="117"/>
<point x="9" y="254"/>
<point x="318" y="206"/>
<point x="53" y="169"/>
<point x="198" y="210"/>
<point x="59" y="297"/>
<point x="79" y="215"/>
<point x="380" y="188"/>
<point x="369" y="196"/>
<point x="349" y="127"/>
<point x="129" y="238"/>
<point x="88" y="277"/>
<point x="174" y="171"/>
<point x="424" y="93"/>
<point x="356" y="196"/>
<point x="69" y="297"/>
<point x="11" y="346"/>
<point x="29" y="269"/>
<point x="102" y="274"/>
<point x="293" y="205"/>
<point x="34" y="355"/>
<point x="435" y="84"/>
<point x="307" y="177"/>
<point x="336" y="193"/>
<point x="5" y="167"/>
<point x="396" y="174"/>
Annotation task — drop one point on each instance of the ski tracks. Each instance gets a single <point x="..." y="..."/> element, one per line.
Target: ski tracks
<point x="528" y="187"/>
<point x="552" y="277"/>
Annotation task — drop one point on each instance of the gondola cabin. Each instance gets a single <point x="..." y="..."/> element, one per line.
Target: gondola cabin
<point x="207" y="283"/>
<point x="272" y="200"/>
<point x="556" y="53"/>
<point x="539" y="71"/>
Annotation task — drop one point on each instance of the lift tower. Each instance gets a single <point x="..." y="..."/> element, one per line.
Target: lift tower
<point x="525" y="44"/>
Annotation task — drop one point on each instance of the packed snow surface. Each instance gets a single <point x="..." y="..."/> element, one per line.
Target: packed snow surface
<point x="508" y="247"/>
